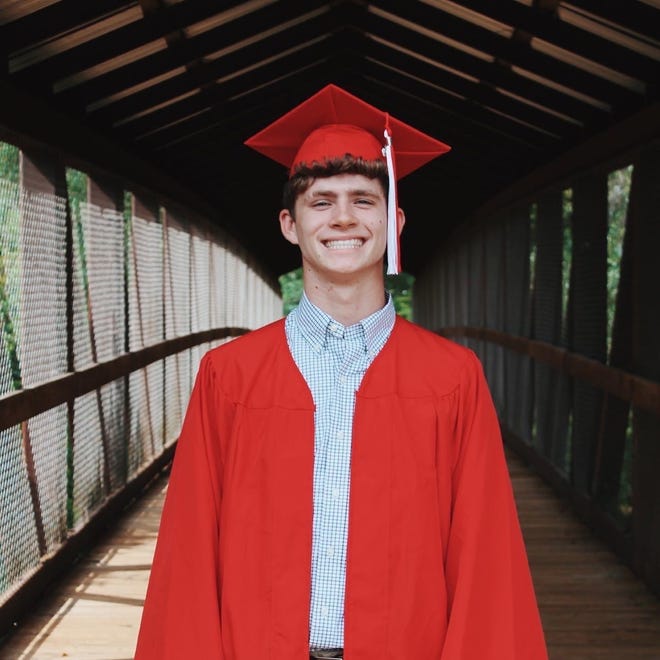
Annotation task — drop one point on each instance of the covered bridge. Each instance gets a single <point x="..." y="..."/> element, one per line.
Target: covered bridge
<point x="137" y="231"/>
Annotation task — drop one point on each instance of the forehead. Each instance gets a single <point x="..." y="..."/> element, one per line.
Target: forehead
<point x="342" y="183"/>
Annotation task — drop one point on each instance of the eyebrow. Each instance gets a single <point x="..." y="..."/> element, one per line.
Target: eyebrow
<point x="357" y="192"/>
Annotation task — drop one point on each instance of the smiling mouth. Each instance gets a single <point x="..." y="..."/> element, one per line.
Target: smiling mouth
<point x="344" y="244"/>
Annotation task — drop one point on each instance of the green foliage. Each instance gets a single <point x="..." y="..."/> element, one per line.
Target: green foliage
<point x="9" y="162"/>
<point x="10" y="257"/>
<point x="400" y="286"/>
<point x="76" y="183"/>
<point x="618" y="191"/>
<point x="8" y="330"/>
<point x="291" y="285"/>
<point x="533" y="210"/>
<point x="567" y="254"/>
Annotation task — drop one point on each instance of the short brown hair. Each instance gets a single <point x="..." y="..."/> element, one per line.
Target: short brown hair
<point x="305" y="175"/>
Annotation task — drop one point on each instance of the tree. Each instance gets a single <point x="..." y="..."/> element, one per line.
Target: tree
<point x="400" y="286"/>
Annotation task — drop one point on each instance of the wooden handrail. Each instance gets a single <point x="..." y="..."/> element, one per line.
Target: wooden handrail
<point x="640" y="392"/>
<point x="24" y="404"/>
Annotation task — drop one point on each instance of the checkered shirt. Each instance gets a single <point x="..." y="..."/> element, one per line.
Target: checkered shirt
<point x="333" y="359"/>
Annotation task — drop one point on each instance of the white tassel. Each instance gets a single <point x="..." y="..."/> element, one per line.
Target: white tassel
<point x="392" y="229"/>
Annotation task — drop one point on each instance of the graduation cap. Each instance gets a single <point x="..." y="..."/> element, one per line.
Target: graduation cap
<point x="333" y="123"/>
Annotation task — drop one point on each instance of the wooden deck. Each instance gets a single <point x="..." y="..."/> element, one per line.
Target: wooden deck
<point x="592" y="606"/>
<point x="94" y="613"/>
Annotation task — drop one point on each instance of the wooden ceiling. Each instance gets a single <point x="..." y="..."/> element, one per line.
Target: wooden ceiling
<point x="510" y="84"/>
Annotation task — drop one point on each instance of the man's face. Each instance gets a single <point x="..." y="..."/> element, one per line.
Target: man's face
<point x="340" y="226"/>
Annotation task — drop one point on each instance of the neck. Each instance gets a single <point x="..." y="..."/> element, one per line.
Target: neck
<point x="348" y="303"/>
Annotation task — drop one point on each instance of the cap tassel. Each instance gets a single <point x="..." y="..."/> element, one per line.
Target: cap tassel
<point x="393" y="260"/>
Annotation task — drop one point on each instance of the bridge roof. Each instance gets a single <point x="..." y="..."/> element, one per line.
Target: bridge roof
<point x="511" y="85"/>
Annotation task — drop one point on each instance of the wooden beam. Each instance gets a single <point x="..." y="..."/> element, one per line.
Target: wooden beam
<point x="251" y="57"/>
<point x="497" y="73"/>
<point x="27" y="122"/>
<point x="542" y="22"/>
<point x="211" y="101"/>
<point x="117" y="42"/>
<point x="481" y="98"/>
<point x="498" y="45"/>
<point x="31" y="401"/>
<point x="614" y="145"/>
<point x="641" y="17"/>
<point x="641" y="392"/>
<point x="56" y="19"/>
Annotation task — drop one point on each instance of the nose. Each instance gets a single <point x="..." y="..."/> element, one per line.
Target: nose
<point x="344" y="213"/>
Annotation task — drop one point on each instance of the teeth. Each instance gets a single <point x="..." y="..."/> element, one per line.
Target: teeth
<point x="342" y="245"/>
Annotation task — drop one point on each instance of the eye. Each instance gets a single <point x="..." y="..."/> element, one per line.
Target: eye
<point x="320" y="203"/>
<point x="364" y="201"/>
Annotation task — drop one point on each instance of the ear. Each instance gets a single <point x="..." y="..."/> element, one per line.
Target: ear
<point x="288" y="226"/>
<point x="400" y="219"/>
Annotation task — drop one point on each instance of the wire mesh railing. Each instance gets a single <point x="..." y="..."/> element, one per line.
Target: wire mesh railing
<point x="107" y="303"/>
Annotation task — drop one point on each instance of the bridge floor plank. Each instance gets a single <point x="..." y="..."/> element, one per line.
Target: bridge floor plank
<point x="94" y="612"/>
<point x="592" y="605"/>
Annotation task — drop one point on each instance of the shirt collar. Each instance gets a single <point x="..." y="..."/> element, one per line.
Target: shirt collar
<point x="314" y="324"/>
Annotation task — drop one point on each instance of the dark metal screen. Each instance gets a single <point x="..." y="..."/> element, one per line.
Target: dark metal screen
<point x="588" y="419"/>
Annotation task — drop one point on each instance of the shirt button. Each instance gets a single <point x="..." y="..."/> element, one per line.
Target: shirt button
<point x="335" y="493"/>
<point x="340" y="435"/>
<point x="330" y="551"/>
<point x="325" y="610"/>
<point x="342" y="379"/>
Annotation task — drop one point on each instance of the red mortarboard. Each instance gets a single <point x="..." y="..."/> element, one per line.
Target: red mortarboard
<point x="333" y="123"/>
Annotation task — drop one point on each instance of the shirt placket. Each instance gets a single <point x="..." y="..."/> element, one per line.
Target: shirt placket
<point x="333" y="478"/>
<point x="328" y="479"/>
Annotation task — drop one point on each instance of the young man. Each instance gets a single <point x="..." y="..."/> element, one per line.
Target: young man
<point x="339" y="487"/>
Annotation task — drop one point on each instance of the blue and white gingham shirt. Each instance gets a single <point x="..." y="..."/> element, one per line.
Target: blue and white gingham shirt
<point x="333" y="359"/>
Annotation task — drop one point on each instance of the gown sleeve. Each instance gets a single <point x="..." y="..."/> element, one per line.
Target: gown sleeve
<point x="181" y="615"/>
<point x="493" y="612"/>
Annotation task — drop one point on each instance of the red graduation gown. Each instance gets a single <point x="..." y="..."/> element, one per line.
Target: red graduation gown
<point x="436" y="566"/>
